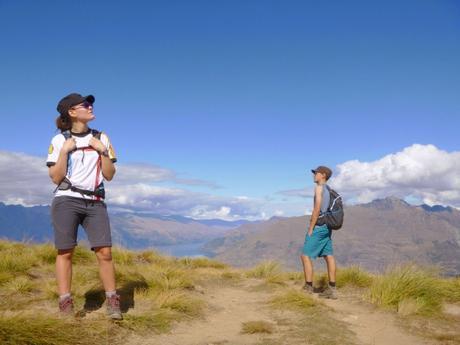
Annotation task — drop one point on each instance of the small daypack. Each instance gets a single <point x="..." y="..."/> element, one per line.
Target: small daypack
<point x="65" y="184"/>
<point x="333" y="217"/>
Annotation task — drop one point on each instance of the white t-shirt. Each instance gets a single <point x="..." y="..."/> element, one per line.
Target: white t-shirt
<point x="84" y="168"/>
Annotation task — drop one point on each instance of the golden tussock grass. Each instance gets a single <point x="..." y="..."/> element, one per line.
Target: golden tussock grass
<point x="293" y="299"/>
<point x="253" y="327"/>
<point x="408" y="289"/>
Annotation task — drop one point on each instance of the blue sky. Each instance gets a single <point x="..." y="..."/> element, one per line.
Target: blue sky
<point x="245" y="94"/>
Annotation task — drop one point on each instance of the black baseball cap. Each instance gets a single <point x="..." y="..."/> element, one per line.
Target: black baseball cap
<point x="72" y="100"/>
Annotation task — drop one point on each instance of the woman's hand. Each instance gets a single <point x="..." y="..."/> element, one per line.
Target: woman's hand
<point x="97" y="145"/>
<point x="69" y="145"/>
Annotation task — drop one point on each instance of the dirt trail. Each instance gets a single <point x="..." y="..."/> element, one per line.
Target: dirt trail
<point x="371" y="326"/>
<point x="230" y="306"/>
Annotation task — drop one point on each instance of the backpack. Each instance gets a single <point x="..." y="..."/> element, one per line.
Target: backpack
<point x="66" y="184"/>
<point x="333" y="217"/>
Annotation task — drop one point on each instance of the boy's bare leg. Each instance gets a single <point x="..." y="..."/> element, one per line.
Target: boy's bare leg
<point x="307" y="268"/>
<point x="331" y="267"/>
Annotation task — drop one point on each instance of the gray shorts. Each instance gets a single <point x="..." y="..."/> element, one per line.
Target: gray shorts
<point x="68" y="212"/>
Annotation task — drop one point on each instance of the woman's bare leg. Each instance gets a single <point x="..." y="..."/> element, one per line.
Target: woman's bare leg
<point x="64" y="271"/>
<point x="106" y="267"/>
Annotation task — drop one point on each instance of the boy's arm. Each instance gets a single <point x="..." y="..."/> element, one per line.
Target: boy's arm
<point x="316" y="208"/>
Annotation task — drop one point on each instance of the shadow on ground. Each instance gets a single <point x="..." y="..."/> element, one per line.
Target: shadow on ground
<point x="95" y="298"/>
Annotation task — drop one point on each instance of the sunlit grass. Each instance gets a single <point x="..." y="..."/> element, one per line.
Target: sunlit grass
<point x="201" y="263"/>
<point x="42" y="329"/>
<point x="293" y="299"/>
<point x="253" y="327"/>
<point x="408" y="288"/>
<point x="353" y="276"/>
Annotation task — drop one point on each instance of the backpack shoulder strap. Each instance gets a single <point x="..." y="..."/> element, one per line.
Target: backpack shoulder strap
<point x="66" y="134"/>
<point x="96" y="133"/>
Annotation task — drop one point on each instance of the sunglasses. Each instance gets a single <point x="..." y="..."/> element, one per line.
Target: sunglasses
<point x="85" y="104"/>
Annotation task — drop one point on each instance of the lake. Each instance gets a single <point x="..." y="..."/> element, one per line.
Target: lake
<point x="187" y="249"/>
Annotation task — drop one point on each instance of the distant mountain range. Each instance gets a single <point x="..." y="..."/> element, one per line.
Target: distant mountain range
<point x="132" y="230"/>
<point x="375" y="235"/>
<point x="381" y="233"/>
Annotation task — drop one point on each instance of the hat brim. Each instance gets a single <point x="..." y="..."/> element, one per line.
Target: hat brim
<point x="90" y="99"/>
<point x="313" y="171"/>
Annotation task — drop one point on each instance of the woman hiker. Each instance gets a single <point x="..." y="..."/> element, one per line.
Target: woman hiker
<point x="318" y="241"/>
<point x="79" y="160"/>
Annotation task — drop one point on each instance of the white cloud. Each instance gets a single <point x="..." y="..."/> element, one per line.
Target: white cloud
<point x="420" y="172"/>
<point x="149" y="173"/>
<point x="423" y="172"/>
<point x="24" y="180"/>
<point x="165" y="200"/>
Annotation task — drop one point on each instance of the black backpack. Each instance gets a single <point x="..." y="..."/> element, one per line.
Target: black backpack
<point x="333" y="217"/>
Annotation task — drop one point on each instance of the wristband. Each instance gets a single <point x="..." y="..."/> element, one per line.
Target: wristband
<point x="104" y="153"/>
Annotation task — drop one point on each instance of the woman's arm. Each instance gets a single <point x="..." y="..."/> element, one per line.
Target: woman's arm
<point x="316" y="208"/>
<point x="108" y="168"/>
<point x="58" y="171"/>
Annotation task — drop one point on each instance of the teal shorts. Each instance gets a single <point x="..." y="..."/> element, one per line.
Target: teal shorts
<point x="319" y="243"/>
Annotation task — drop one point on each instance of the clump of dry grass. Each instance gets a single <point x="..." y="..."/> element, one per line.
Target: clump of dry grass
<point x="43" y="329"/>
<point x="253" y="327"/>
<point x="83" y="255"/>
<point x="16" y="259"/>
<point x="268" y="270"/>
<point x="353" y="276"/>
<point x="45" y="253"/>
<point x="18" y="285"/>
<point x="123" y="256"/>
<point x="231" y="275"/>
<point x="451" y="289"/>
<point x="157" y="321"/>
<point x="201" y="262"/>
<point x="294" y="299"/>
<point x="180" y="302"/>
<point x="408" y="288"/>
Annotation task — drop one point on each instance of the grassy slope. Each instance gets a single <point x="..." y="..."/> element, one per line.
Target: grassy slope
<point x="158" y="290"/>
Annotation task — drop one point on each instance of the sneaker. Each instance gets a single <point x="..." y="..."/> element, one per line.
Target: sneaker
<point x="330" y="292"/>
<point x="113" y="307"/>
<point x="66" y="306"/>
<point x="308" y="288"/>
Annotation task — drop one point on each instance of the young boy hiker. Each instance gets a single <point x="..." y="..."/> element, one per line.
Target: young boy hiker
<point x="318" y="241"/>
<point x="79" y="160"/>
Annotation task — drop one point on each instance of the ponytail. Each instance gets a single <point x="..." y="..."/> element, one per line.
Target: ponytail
<point x="63" y="122"/>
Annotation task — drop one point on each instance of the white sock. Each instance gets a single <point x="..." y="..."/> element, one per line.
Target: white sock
<point x="109" y="294"/>
<point x="64" y="296"/>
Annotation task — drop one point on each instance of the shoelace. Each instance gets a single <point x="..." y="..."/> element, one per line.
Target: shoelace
<point x="64" y="304"/>
<point x="115" y="301"/>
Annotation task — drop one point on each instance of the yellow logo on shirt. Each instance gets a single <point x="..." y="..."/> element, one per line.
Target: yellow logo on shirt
<point x="50" y="149"/>
<point x="111" y="152"/>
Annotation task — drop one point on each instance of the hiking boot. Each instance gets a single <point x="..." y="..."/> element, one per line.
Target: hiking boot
<point x="308" y="288"/>
<point x="66" y="306"/>
<point x="329" y="292"/>
<point x="113" y="307"/>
